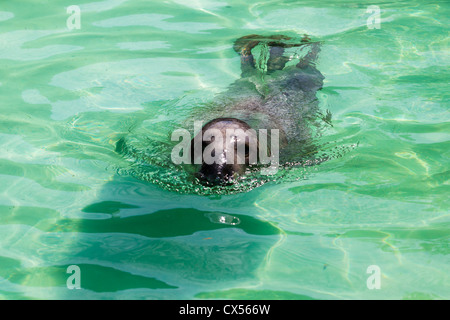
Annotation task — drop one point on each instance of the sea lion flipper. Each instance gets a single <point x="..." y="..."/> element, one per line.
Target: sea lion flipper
<point x="243" y="46"/>
<point x="276" y="43"/>
<point x="311" y="57"/>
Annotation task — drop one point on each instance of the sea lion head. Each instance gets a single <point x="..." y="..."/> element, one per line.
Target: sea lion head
<point x="227" y="147"/>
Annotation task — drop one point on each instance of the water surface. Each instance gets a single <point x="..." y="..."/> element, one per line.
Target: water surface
<point x="68" y="198"/>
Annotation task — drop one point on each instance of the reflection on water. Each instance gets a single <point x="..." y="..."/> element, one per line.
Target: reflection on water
<point x="217" y="217"/>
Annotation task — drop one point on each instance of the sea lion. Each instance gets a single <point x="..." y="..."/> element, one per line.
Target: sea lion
<point x="284" y="100"/>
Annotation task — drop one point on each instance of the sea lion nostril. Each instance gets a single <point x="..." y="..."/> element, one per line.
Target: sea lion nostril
<point x="215" y="175"/>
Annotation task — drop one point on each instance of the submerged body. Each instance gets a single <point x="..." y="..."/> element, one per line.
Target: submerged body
<point x="281" y="97"/>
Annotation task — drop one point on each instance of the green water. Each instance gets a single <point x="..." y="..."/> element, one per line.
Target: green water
<point x="68" y="198"/>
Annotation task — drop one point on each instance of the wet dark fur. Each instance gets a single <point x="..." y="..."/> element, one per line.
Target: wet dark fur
<point x="281" y="98"/>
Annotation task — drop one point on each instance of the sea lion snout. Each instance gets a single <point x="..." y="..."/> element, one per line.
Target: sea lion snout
<point x="225" y="150"/>
<point x="217" y="174"/>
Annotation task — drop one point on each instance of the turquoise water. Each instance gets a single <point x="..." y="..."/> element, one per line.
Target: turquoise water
<point x="138" y="69"/>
